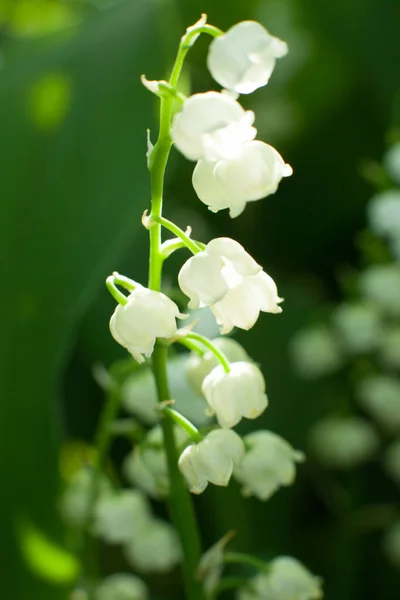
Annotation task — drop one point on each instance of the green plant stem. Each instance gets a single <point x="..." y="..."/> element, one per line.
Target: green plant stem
<point x="245" y="559"/>
<point x="220" y="356"/>
<point x="189" y="243"/>
<point x="180" y="501"/>
<point x="184" y="423"/>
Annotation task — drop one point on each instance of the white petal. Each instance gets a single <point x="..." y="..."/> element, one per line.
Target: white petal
<point x="235" y="253"/>
<point x="207" y="188"/>
<point x="201" y="279"/>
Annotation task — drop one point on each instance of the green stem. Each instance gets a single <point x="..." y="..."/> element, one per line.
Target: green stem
<point x="184" y="423"/>
<point x="115" y="292"/>
<point x="245" y="559"/>
<point x="220" y="356"/>
<point x="189" y="243"/>
<point x="180" y="501"/>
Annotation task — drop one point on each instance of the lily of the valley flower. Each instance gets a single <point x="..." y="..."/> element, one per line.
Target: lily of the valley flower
<point x="253" y="173"/>
<point x="226" y="278"/>
<point x="121" y="585"/>
<point x="286" y="578"/>
<point x="243" y="59"/>
<point x="269" y="463"/>
<point x="120" y="517"/>
<point x="212" y="126"/>
<point x="157" y="550"/>
<point x="211" y="460"/>
<point x="146" y="316"/>
<point x="239" y="393"/>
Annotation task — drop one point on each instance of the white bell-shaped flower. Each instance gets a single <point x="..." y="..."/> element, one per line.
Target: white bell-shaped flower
<point x="211" y="460"/>
<point x="225" y="277"/>
<point x="316" y="352"/>
<point x="121" y="517"/>
<point x="243" y="59"/>
<point x="239" y="393"/>
<point x="269" y="463"/>
<point x="198" y="367"/>
<point x="146" y="316"/>
<point x="384" y="213"/>
<point x="74" y="503"/>
<point x="379" y="394"/>
<point x="358" y="326"/>
<point x="286" y="579"/>
<point x="343" y="442"/>
<point x="121" y="586"/>
<point x="157" y="550"/>
<point x="211" y="126"/>
<point x="252" y="174"/>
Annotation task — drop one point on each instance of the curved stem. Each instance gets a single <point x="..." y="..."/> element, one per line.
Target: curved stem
<point x="245" y="559"/>
<point x="189" y="243"/>
<point x="184" y="423"/>
<point x="115" y="292"/>
<point x="220" y="356"/>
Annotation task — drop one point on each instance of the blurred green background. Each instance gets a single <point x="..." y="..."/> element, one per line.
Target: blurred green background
<point x="73" y="184"/>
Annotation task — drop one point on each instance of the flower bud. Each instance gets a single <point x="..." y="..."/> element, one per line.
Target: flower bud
<point x="239" y="393"/>
<point x="380" y="396"/>
<point x="380" y="284"/>
<point x="225" y="277"/>
<point x="286" y="578"/>
<point x="358" y="326"/>
<point x="392" y="461"/>
<point x="147" y="467"/>
<point x="252" y="174"/>
<point x="121" y="586"/>
<point x="157" y="550"/>
<point x="211" y="460"/>
<point x="146" y="316"/>
<point x="120" y="517"/>
<point x="243" y="59"/>
<point x="212" y="126"/>
<point x="198" y="367"/>
<point x="269" y="463"/>
<point x="343" y="443"/>
<point x="384" y="213"/>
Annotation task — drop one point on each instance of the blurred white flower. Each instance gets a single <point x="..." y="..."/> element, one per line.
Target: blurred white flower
<point x="225" y="277"/>
<point x="239" y="393"/>
<point x="389" y="347"/>
<point x="315" y="352"/>
<point x="392" y="461"/>
<point x="391" y="544"/>
<point x="380" y="396"/>
<point x="391" y="162"/>
<point x="122" y="516"/>
<point x="121" y="586"/>
<point x="343" y="442"/>
<point x="146" y="466"/>
<point x="74" y="504"/>
<point x="286" y="579"/>
<point x="268" y="464"/>
<point x="253" y="173"/>
<point x="211" y="460"/>
<point x="380" y="284"/>
<point x="139" y="396"/>
<point x="146" y="316"/>
<point x="198" y="367"/>
<point x="358" y="326"/>
<point x="243" y="59"/>
<point x="211" y="126"/>
<point x="156" y="550"/>
<point x="384" y="213"/>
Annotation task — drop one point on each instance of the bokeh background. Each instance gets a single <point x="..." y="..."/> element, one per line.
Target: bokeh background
<point x="73" y="184"/>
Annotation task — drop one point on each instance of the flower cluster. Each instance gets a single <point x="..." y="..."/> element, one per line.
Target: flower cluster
<point x="213" y="129"/>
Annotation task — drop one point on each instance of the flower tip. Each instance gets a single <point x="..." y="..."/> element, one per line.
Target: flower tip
<point x="287" y="171"/>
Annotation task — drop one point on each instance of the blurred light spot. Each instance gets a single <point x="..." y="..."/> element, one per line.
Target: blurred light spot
<point x="36" y="18"/>
<point x="44" y="557"/>
<point x="75" y="455"/>
<point x="49" y="100"/>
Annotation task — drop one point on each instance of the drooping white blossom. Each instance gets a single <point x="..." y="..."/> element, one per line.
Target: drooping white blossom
<point x="316" y="352"/>
<point x="268" y="464"/>
<point x="379" y="395"/>
<point x="384" y="214"/>
<point x="211" y="460"/>
<point x="286" y="579"/>
<point x="253" y="173"/>
<point x="198" y="367"/>
<point x="358" y="326"/>
<point x="146" y="316"/>
<point x="243" y="59"/>
<point x="122" y="516"/>
<point x="225" y="277"/>
<point x="343" y="442"/>
<point x="121" y="586"/>
<point x="211" y="126"/>
<point x="157" y="550"/>
<point x="74" y="504"/>
<point x="239" y="393"/>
